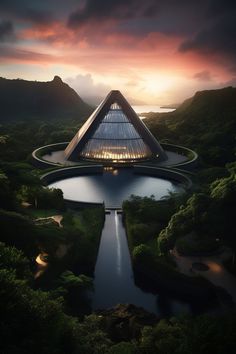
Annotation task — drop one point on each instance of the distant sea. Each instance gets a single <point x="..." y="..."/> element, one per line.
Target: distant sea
<point x="151" y="108"/>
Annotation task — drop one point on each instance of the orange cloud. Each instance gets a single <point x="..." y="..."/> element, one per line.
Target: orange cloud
<point x="149" y="66"/>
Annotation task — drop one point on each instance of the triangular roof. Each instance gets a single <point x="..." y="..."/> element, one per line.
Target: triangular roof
<point x="107" y="128"/>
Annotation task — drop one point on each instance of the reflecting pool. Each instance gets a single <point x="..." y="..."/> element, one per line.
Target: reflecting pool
<point x="112" y="187"/>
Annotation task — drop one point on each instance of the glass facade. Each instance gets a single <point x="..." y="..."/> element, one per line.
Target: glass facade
<point x="115" y="139"/>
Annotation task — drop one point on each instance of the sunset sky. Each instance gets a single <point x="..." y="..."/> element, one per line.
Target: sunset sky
<point x="155" y="52"/>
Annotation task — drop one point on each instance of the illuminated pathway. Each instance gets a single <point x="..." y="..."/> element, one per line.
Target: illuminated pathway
<point x="217" y="273"/>
<point x="61" y="251"/>
<point x="41" y="265"/>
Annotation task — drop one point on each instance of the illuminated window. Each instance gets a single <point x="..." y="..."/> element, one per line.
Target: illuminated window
<point x="116" y="139"/>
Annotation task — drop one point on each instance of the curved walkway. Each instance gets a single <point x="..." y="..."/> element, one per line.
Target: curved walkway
<point x="217" y="273"/>
<point x="48" y="156"/>
<point x="173" y="159"/>
<point x="57" y="218"/>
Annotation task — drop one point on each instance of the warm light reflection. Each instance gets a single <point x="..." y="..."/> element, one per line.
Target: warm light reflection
<point x="115" y="172"/>
<point x="215" y="267"/>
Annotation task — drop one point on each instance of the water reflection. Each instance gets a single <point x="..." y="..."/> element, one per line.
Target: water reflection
<point x="114" y="188"/>
<point x="114" y="279"/>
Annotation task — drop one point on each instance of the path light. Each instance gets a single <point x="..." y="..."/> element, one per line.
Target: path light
<point x="115" y="172"/>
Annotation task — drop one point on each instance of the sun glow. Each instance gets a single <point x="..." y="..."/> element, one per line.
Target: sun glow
<point x="159" y="83"/>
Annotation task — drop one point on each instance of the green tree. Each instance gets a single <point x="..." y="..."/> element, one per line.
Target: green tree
<point x="13" y="259"/>
<point x="70" y="281"/>
<point x="6" y="194"/>
<point x="123" y="348"/>
<point x="31" y="322"/>
<point x="142" y="254"/>
<point x="18" y="230"/>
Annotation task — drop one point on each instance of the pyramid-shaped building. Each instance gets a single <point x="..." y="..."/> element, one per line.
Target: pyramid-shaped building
<point x="114" y="133"/>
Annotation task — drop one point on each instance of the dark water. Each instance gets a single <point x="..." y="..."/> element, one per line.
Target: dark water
<point x="114" y="187"/>
<point x="114" y="281"/>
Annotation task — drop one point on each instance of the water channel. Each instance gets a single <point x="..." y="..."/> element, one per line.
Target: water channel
<point x="114" y="279"/>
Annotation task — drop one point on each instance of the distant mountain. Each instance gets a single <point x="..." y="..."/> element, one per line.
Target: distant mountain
<point x="171" y="106"/>
<point x="23" y="100"/>
<point x="216" y="105"/>
<point x="205" y="122"/>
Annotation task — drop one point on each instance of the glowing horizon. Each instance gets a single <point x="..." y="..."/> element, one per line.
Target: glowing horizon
<point x="155" y="53"/>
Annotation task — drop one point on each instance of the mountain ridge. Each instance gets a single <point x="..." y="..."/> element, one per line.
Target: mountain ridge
<point x="23" y="99"/>
<point x="205" y="122"/>
<point x="217" y="96"/>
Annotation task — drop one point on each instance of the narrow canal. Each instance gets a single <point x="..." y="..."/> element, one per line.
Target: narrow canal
<point x="114" y="279"/>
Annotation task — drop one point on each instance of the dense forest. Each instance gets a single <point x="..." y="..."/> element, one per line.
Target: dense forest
<point x="39" y="313"/>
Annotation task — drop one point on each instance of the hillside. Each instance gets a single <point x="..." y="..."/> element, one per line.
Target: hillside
<point x="23" y="100"/>
<point x="205" y="122"/>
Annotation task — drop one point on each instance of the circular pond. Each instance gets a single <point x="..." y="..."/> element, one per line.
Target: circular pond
<point x="112" y="187"/>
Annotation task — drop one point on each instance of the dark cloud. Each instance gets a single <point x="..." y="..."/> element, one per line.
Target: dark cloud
<point x="38" y="16"/>
<point x="26" y="10"/>
<point x="203" y="76"/>
<point x="220" y="8"/>
<point x="218" y="35"/>
<point x="6" y="31"/>
<point x="107" y="9"/>
<point x="94" y="10"/>
<point x="207" y="26"/>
